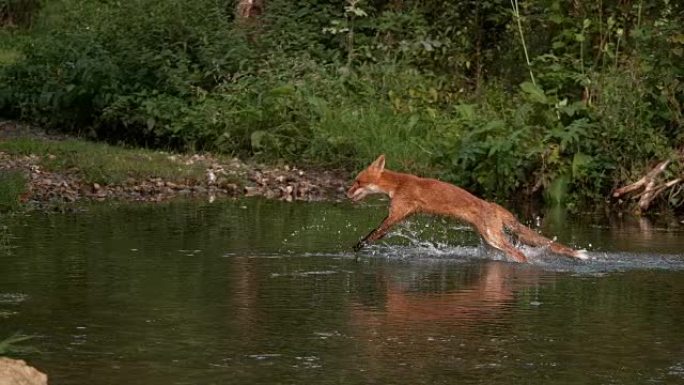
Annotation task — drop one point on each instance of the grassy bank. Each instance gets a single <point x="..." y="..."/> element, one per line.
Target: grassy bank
<point x="43" y="171"/>
<point x="536" y="103"/>
<point x="102" y="163"/>
<point x="47" y="172"/>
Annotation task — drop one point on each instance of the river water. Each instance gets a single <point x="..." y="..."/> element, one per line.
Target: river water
<point x="264" y="292"/>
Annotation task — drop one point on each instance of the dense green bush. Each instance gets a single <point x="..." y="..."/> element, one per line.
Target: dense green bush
<point x="444" y="89"/>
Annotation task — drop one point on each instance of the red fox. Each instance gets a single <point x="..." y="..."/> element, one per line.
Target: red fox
<point x="411" y="194"/>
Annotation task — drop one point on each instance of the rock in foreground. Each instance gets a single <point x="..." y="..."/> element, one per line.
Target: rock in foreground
<point x="17" y="372"/>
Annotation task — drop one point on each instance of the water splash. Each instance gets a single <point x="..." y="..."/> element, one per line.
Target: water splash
<point x="12" y="298"/>
<point x="616" y="261"/>
<point x="407" y="243"/>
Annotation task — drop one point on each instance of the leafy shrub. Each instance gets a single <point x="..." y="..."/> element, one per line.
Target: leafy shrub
<point x="444" y="89"/>
<point x="89" y="58"/>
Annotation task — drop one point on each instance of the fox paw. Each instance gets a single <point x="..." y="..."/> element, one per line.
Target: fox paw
<point x="358" y="246"/>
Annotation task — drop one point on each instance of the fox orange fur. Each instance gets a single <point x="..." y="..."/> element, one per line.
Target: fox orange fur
<point x="411" y="194"/>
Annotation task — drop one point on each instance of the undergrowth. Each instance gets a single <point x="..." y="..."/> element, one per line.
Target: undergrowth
<point x="548" y="101"/>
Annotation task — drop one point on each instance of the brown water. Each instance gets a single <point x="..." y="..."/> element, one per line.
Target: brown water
<point x="258" y="292"/>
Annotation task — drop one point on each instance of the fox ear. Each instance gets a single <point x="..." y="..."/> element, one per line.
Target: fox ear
<point x="378" y="164"/>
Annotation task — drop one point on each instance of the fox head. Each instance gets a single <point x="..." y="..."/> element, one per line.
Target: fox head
<point x="367" y="182"/>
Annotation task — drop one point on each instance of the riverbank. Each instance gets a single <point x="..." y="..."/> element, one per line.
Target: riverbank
<point x="38" y="169"/>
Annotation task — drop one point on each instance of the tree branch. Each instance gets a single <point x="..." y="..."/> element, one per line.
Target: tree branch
<point x="646" y="180"/>
<point x="647" y="183"/>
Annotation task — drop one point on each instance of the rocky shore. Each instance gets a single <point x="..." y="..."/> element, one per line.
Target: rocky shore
<point x="217" y="177"/>
<point x="222" y="179"/>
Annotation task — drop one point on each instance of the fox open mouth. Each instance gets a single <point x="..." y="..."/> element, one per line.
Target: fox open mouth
<point x="357" y="194"/>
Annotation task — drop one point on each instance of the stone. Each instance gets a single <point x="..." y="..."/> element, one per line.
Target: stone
<point x="17" y="372"/>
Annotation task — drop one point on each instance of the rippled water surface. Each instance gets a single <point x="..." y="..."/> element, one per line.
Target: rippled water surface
<point x="258" y="292"/>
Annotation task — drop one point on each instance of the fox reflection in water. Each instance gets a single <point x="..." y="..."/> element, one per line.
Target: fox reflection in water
<point x="430" y="332"/>
<point x="397" y="317"/>
<point x="485" y="292"/>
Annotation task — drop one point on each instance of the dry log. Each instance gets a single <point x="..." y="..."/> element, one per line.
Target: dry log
<point x="647" y="180"/>
<point x="648" y="184"/>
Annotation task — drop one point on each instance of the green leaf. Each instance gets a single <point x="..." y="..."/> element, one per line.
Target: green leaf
<point x="579" y="162"/>
<point x="287" y="89"/>
<point x="256" y="139"/>
<point x="535" y="92"/>
<point x="8" y="345"/>
<point x="494" y="125"/>
<point x="466" y="111"/>
<point x="571" y="109"/>
<point x="413" y="121"/>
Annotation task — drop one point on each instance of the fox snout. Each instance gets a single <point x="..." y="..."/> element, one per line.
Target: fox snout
<point x="355" y="192"/>
<point x="350" y="192"/>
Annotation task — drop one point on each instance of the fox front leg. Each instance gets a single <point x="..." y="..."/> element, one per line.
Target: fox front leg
<point x="395" y="216"/>
<point x="374" y="235"/>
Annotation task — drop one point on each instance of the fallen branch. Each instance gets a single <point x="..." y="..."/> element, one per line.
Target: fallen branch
<point x="647" y="180"/>
<point x="648" y="184"/>
<point x="650" y="194"/>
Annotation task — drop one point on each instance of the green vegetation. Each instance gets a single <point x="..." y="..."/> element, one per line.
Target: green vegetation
<point x="12" y="185"/>
<point x="11" y="345"/>
<point x="103" y="163"/>
<point x="553" y="99"/>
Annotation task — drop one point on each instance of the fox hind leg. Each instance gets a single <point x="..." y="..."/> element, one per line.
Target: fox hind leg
<point x="495" y="237"/>
<point x="532" y="238"/>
